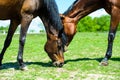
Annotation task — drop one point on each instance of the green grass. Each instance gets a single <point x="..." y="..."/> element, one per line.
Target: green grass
<point x="81" y="59"/>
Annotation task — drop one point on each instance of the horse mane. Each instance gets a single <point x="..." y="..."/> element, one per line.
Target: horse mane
<point x="70" y="8"/>
<point x="55" y="19"/>
<point x="53" y="15"/>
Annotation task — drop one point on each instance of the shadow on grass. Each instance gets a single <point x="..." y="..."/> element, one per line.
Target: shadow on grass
<point x="49" y="64"/>
<point x="9" y="65"/>
<point x="86" y="59"/>
<point x="16" y="66"/>
<point x="83" y="59"/>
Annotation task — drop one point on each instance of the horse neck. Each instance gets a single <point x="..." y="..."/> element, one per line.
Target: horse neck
<point x="81" y="8"/>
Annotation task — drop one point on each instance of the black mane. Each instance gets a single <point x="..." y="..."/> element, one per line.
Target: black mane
<point x="53" y="12"/>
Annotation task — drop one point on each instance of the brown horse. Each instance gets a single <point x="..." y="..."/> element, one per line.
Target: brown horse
<point x="22" y="12"/>
<point x="81" y="8"/>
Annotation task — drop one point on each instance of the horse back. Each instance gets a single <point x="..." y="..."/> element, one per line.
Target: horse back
<point x="9" y="8"/>
<point x="13" y="8"/>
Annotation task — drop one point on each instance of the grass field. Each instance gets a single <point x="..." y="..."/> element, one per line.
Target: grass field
<point x="81" y="59"/>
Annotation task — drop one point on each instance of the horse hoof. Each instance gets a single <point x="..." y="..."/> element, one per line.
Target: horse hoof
<point x="104" y="63"/>
<point x="23" y="68"/>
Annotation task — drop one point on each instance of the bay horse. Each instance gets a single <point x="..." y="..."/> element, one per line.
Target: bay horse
<point x="22" y="12"/>
<point x="81" y="8"/>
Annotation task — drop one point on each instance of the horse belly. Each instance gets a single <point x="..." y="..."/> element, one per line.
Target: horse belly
<point x="5" y="14"/>
<point x="9" y="8"/>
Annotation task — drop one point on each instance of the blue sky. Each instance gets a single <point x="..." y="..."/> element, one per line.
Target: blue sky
<point x="62" y="6"/>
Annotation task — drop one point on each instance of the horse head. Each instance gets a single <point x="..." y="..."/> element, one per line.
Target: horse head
<point x="78" y="10"/>
<point x="55" y="48"/>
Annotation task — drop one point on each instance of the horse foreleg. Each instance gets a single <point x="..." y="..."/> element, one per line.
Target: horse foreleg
<point x="26" y="19"/>
<point x="12" y="28"/>
<point x="115" y="18"/>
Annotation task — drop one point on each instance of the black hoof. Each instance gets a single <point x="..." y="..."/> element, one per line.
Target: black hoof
<point x="104" y="63"/>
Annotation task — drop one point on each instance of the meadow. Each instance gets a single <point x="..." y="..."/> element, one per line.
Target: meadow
<point x="81" y="60"/>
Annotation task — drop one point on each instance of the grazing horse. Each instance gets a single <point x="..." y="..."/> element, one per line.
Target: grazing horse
<point x="81" y="8"/>
<point x="22" y="12"/>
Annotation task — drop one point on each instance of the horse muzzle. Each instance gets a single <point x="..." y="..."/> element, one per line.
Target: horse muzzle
<point x="58" y="63"/>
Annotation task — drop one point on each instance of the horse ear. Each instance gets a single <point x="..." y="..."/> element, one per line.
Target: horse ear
<point x="62" y="16"/>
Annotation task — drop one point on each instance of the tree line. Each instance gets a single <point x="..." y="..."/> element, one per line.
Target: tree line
<point x="4" y="29"/>
<point x="90" y="24"/>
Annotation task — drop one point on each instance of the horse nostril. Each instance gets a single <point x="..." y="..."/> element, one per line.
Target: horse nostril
<point x="61" y="64"/>
<point x="55" y="63"/>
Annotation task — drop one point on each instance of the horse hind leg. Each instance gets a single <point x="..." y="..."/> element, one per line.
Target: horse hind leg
<point x="12" y="28"/>
<point x="115" y="18"/>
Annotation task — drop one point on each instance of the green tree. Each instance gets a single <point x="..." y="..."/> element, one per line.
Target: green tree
<point x="87" y="24"/>
<point x="103" y="22"/>
<point x="4" y="29"/>
<point x="94" y="24"/>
